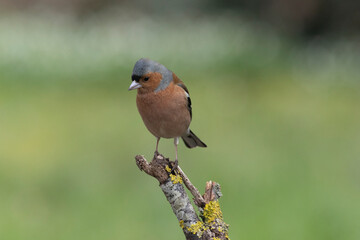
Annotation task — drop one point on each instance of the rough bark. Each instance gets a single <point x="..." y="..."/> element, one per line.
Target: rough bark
<point x="210" y="224"/>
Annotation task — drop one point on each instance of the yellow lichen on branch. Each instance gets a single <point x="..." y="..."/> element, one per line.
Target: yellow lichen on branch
<point x="181" y="222"/>
<point x="197" y="228"/>
<point x="213" y="218"/>
<point x="167" y="168"/>
<point x="176" y="179"/>
<point x="212" y="211"/>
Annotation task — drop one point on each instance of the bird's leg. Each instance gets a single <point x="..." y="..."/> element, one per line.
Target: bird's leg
<point x="156" y="153"/>
<point x="176" y="142"/>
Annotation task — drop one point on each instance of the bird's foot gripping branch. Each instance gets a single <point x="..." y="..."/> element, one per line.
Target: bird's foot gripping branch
<point x="210" y="223"/>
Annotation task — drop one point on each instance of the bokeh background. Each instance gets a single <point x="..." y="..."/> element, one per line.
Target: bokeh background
<point x="275" y="91"/>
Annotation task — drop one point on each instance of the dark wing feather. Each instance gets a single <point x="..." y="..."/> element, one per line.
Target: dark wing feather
<point x="181" y="84"/>
<point x="178" y="82"/>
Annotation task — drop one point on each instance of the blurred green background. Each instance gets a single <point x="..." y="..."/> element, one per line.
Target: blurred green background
<point x="276" y="99"/>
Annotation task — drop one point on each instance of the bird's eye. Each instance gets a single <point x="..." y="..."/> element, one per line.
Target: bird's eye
<point x="146" y="78"/>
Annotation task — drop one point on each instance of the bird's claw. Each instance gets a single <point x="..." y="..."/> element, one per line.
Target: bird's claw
<point x="156" y="153"/>
<point x="175" y="166"/>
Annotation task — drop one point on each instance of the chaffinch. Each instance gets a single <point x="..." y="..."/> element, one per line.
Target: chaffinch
<point x="164" y="104"/>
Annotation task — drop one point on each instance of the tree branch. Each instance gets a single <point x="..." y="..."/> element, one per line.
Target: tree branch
<point x="198" y="199"/>
<point x="211" y="225"/>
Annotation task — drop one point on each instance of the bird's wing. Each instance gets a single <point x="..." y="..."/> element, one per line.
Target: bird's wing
<point x="178" y="82"/>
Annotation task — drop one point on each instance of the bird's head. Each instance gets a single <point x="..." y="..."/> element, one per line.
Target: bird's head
<point x="149" y="75"/>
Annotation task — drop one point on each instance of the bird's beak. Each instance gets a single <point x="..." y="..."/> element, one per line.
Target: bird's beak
<point x="134" y="85"/>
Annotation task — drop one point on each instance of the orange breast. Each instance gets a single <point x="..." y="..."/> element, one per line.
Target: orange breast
<point x="165" y="113"/>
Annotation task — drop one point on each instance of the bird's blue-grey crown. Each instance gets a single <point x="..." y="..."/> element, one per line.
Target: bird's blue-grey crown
<point x="144" y="66"/>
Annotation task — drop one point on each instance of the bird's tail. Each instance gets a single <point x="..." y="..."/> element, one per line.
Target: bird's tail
<point x="191" y="140"/>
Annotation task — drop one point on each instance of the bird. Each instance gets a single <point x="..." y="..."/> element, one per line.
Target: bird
<point x="164" y="104"/>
